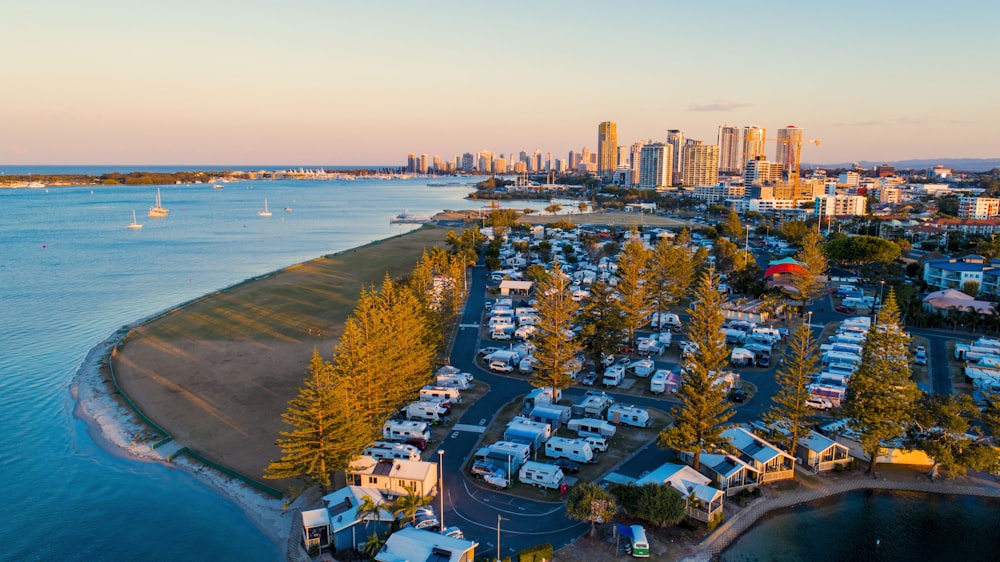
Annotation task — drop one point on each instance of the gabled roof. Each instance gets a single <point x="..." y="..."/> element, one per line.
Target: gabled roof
<point x="818" y="443"/>
<point x="407" y="470"/>
<point x="753" y="446"/>
<point x="342" y="506"/>
<point x="409" y="544"/>
<point x="725" y="465"/>
<point x="684" y="479"/>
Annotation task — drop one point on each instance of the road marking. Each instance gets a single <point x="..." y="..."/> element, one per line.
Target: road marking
<point x="468" y="325"/>
<point x="467" y="427"/>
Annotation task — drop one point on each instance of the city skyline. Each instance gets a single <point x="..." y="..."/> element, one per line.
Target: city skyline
<point x="339" y="83"/>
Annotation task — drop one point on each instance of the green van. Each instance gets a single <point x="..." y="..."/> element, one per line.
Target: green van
<point x="640" y="546"/>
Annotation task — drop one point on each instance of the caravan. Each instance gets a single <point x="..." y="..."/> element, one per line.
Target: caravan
<point x="382" y="450"/>
<point x="577" y="450"/>
<point x="401" y="430"/>
<point x="540" y="474"/>
<point x="591" y="426"/>
<point x="628" y="415"/>
<point x="664" y="381"/>
<point x="440" y="394"/>
<point x="427" y="411"/>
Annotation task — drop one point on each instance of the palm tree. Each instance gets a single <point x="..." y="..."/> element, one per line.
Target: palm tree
<point x="373" y="545"/>
<point x="370" y="509"/>
<point x="408" y="505"/>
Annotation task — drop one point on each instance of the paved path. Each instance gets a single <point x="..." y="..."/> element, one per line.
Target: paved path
<point x="737" y="524"/>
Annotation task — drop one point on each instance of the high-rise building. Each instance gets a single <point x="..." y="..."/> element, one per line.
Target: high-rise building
<point x="438" y="165"/>
<point x="536" y="161"/>
<point x="422" y="168"/>
<point x="607" y="149"/>
<point x="635" y="161"/>
<point x="585" y="160"/>
<point x="485" y="162"/>
<point x="790" y="150"/>
<point x="624" y="157"/>
<point x="574" y="160"/>
<point x="761" y="172"/>
<point x="675" y="138"/>
<point x="701" y="164"/>
<point x="978" y="207"/>
<point x="729" y="150"/>
<point x="656" y="161"/>
<point x="468" y="162"/>
<point x="412" y="163"/>
<point x="754" y="138"/>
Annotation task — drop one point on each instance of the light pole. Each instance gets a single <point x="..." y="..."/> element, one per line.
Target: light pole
<point x="441" y="486"/>
<point x="746" y="246"/>
<point x="498" y="535"/>
<point x="809" y="318"/>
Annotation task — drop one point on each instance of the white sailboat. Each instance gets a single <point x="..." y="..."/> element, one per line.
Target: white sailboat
<point x="157" y="211"/>
<point x="135" y="224"/>
<point x="265" y="212"/>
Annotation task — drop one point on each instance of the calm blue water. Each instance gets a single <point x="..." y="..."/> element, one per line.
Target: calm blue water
<point x="71" y="274"/>
<point x="881" y="526"/>
<point x="96" y="170"/>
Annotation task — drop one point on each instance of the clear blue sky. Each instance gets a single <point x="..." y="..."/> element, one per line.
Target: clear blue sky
<point x="327" y="82"/>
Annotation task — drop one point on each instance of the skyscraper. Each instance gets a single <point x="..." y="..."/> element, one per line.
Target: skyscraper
<point x="675" y="138"/>
<point x="636" y="161"/>
<point x="656" y="161"/>
<point x="729" y="149"/>
<point x="790" y="150"/>
<point x="701" y="164"/>
<point x="753" y="144"/>
<point x="607" y="149"/>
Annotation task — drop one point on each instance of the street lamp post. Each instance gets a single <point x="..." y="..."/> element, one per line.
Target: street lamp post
<point x="441" y="486"/>
<point x="498" y="536"/>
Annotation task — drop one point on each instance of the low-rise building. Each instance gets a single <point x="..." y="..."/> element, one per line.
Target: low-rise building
<point x="394" y="477"/>
<point x="771" y="462"/>
<point x="820" y="453"/>
<point x="409" y="543"/>
<point x="953" y="273"/>
<point x="702" y="502"/>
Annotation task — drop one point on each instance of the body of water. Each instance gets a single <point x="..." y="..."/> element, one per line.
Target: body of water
<point x="97" y="170"/>
<point x="874" y="525"/>
<point x="71" y="274"/>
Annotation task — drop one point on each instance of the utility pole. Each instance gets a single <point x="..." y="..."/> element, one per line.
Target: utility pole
<point x="441" y="486"/>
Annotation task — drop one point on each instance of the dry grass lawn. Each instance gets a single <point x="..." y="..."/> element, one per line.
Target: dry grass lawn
<point x="218" y="373"/>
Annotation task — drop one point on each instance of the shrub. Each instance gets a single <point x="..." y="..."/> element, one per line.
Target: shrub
<point x="536" y="553"/>
<point x="715" y="522"/>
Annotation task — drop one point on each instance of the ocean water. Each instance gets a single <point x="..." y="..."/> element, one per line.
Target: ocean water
<point x="71" y="274"/>
<point x="872" y="525"/>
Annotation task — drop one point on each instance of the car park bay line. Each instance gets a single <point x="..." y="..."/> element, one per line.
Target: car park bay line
<point x="484" y="497"/>
<point x="468" y="427"/>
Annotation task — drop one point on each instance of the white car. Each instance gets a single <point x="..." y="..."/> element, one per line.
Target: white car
<point x="819" y="403"/>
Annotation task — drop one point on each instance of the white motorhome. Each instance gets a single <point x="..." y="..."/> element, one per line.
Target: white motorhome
<point x="742" y="357"/>
<point x="519" y="452"/>
<point x="765" y="335"/>
<point x="649" y="346"/>
<point x="401" y="430"/>
<point x="382" y="450"/>
<point x="629" y="415"/>
<point x="440" y="393"/>
<point x="540" y="474"/>
<point x="613" y="376"/>
<point x="831" y="357"/>
<point x="453" y="381"/>
<point x="643" y="367"/>
<point x="573" y="449"/>
<point x="591" y="426"/>
<point x="734" y="336"/>
<point x="427" y="411"/>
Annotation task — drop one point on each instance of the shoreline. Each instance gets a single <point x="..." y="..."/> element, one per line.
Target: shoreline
<point x="117" y="430"/>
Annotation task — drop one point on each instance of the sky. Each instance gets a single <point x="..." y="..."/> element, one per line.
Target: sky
<point x="365" y="83"/>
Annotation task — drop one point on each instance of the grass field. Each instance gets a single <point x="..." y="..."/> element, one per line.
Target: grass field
<point x="217" y="373"/>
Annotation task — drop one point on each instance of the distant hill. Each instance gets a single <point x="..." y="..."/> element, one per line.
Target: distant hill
<point x="957" y="164"/>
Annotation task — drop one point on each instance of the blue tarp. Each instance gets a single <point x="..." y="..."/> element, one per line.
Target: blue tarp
<point x="624" y="530"/>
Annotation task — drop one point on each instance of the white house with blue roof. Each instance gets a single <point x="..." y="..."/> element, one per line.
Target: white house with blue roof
<point x="729" y="472"/>
<point x="702" y="501"/>
<point x="771" y="462"/>
<point x="820" y="453"/>
<point x="953" y="273"/>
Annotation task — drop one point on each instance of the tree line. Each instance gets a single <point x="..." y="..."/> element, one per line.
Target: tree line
<point x="390" y="345"/>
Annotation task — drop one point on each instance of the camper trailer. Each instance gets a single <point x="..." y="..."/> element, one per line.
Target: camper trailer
<point x="577" y="450"/>
<point x="664" y="381"/>
<point x="584" y="426"/>
<point x="427" y="411"/>
<point x="539" y="396"/>
<point x="742" y="357"/>
<point x="524" y="430"/>
<point x="555" y="415"/>
<point x="440" y="394"/>
<point x="401" y="430"/>
<point x="613" y="376"/>
<point x="643" y="367"/>
<point x="501" y="450"/>
<point x="382" y="450"/>
<point x="628" y="415"/>
<point x="592" y="406"/>
<point x="540" y="474"/>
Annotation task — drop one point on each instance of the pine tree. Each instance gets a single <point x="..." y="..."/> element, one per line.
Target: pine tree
<point x="633" y="284"/>
<point x="603" y="326"/>
<point x="703" y="407"/>
<point x="734" y="228"/>
<point x="671" y="273"/>
<point x="555" y="346"/>
<point x="589" y="502"/>
<point x="881" y="394"/>
<point x="309" y="449"/>
<point x="810" y="283"/>
<point x="789" y="410"/>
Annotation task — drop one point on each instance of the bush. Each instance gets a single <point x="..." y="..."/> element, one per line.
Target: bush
<point x="313" y="551"/>
<point x="715" y="522"/>
<point x="536" y="553"/>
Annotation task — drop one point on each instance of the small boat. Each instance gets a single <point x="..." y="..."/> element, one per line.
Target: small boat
<point x="265" y="212"/>
<point x="218" y="186"/>
<point x="288" y="209"/>
<point x="406" y="218"/>
<point x="135" y="224"/>
<point x="158" y="211"/>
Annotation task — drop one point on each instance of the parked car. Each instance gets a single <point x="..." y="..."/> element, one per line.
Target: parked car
<point x="416" y="442"/>
<point x="488" y="350"/>
<point x="921" y="357"/>
<point x="738" y="395"/>
<point x="590" y="378"/>
<point x="567" y="466"/>
<point x="819" y="403"/>
<point x="844" y="309"/>
<point x="482" y="468"/>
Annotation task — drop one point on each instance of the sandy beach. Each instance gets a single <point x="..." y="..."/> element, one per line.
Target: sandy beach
<point x="216" y="373"/>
